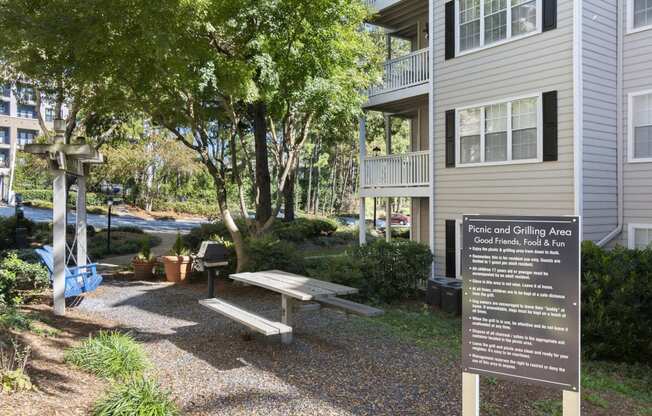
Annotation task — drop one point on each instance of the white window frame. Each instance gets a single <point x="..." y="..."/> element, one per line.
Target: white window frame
<point x="508" y="38"/>
<point x="631" y="233"/>
<point x="509" y="161"/>
<point x="631" y="156"/>
<point x="630" y="20"/>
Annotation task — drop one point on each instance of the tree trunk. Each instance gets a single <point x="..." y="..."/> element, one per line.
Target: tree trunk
<point x="263" y="180"/>
<point x="288" y="194"/>
<point x="312" y="165"/>
<point x="231" y="226"/>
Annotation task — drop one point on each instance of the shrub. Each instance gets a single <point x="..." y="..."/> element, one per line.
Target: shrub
<point x="269" y="253"/>
<point x="121" y="243"/>
<point x="384" y="272"/>
<point x="206" y="232"/>
<point x="302" y="229"/>
<point x="128" y="229"/>
<point x="17" y="274"/>
<point x="13" y="360"/>
<point x="8" y="227"/>
<point x="138" y="396"/>
<point x="45" y="195"/>
<point x="616" y="303"/>
<point x="109" y="354"/>
<point x="391" y="271"/>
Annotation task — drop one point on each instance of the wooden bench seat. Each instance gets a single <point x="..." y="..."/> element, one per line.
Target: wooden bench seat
<point x="249" y="319"/>
<point x="349" y="306"/>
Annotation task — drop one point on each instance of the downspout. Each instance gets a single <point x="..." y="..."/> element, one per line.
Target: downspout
<point x="620" y="126"/>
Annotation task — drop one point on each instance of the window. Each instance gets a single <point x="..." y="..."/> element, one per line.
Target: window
<point x="640" y="127"/>
<point x="486" y="22"/>
<point x="25" y="93"/>
<point x="26" y="111"/>
<point x="26" y="136"/>
<point x="640" y="236"/>
<point x="49" y="114"/>
<point x="4" y="135"/>
<point x="4" y="158"/>
<point x="498" y="133"/>
<point x="641" y="14"/>
<point x="4" y="107"/>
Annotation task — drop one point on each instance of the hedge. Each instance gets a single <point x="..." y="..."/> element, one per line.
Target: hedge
<point x="617" y="303"/>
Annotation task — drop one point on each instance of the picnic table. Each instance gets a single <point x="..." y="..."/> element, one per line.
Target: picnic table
<point x="292" y="288"/>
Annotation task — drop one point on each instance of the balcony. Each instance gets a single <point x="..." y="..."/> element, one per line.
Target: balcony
<point x="403" y="78"/>
<point x="397" y="175"/>
<point x="381" y="4"/>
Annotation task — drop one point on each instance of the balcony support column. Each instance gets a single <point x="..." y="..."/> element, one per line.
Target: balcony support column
<point x="362" y="223"/>
<point x="388" y="207"/>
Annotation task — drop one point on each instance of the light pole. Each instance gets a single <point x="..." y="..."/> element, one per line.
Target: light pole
<point x="109" y="202"/>
<point x="376" y="152"/>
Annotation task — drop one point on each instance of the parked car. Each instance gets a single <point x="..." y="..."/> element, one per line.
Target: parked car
<point x="400" y="219"/>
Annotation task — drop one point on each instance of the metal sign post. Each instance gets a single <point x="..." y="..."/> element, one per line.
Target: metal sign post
<point x="521" y="312"/>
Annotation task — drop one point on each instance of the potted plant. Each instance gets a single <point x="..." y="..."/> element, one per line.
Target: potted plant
<point x="144" y="263"/>
<point x="178" y="263"/>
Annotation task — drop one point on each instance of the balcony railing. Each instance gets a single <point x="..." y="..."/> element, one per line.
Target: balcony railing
<point x="380" y="4"/>
<point x="404" y="72"/>
<point x="404" y="170"/>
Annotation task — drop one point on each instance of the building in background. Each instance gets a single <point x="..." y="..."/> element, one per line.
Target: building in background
<point x="19" y="125"/>
<point x="517" y="107"/>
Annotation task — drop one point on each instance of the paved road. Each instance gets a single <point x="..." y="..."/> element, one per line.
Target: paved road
<point x="100" y="221"/>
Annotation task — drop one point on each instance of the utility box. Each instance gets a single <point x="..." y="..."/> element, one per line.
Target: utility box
<point x="451" y="297"/>
<point x="433" y="291"/>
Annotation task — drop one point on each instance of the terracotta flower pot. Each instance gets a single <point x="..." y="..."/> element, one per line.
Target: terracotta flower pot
<point x="177" y="268"/>
<point x="143" y="269"/>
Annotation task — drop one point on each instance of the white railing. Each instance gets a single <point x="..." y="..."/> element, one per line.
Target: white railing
<point x="380" y="4"/>
<point x="409" y="169"/>
<point x="404" y="72"/>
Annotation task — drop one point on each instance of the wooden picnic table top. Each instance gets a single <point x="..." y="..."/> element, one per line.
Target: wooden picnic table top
<point x="293" y="285"/>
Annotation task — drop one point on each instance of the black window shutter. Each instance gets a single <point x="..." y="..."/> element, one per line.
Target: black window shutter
<point x="450" y="30"/>
<point x="450" y="139"/>
<point x="451" y="253"/>
<point x="550" y="127"/>
<point x="549" y="15"/>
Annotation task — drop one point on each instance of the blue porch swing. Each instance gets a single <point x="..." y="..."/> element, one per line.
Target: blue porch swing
<point x="79" y="279"/>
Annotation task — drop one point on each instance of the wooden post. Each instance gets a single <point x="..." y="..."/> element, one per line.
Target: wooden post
<point x="287" y="310"/>
<point x="388" y="220"/>
<point x="571" y="403"/>
<point x="363" y="155"/>
<point x="363" y="222"/>
<point x="59" y="241"/>
<point x="471" y="394"/>
<point x="81" y="220"/>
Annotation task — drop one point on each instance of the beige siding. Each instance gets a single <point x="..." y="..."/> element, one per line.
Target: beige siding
<point x="637" y="73"/>
<point x="420" y="220"/>
<point x="540" y="63"/>
<point x="420" y="129"/>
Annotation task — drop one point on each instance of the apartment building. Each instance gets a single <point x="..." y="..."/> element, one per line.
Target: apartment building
<point x="18" y="126"/>
<point x="518" y="107"/>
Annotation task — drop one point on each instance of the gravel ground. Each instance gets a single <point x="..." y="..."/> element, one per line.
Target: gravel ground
<point x="336" y="366"/>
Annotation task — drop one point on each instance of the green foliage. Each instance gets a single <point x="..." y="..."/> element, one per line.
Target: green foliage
<point x="616" y="302"/>
<point x="121" y="243"/>
<point x="128" y="229"/>
<point x="179" y="248"/>
<point x="302" y="229"/>
<point x="17" y="274"/>
<point x="112" y="355"/>
<point x="8" y="231"/>
<point x="269" y="253"/>
<point x="13" y="360"/>
<point x="145" y="253"/>
<point x="12" y="318"/>
<point x="384" y="272"/>
<point x="136" y="397"/>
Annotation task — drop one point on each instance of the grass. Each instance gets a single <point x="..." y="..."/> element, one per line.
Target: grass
<point x="138" y="396"/>
<point x="604" y="385"/>
<point x="14" y="319"/>
<point x="112" y="355"/>
<point x="427" y="329"/>
<point x="122" y="242"/>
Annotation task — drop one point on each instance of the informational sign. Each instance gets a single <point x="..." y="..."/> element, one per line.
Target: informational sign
<point x="521" y="308"/>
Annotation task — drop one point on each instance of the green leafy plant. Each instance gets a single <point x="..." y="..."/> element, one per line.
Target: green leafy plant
<point x="145" y="253"/>
<point x="268" y="253"/>
<point x="109" y="354"/>
<point x="616" y="302"/>
<point x="13" y="360"/>
<point x="137" y="396"/>
<point x="179" y="248"/>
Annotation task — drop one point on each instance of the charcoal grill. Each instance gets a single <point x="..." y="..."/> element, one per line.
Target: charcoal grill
<point x="210" y="257"/>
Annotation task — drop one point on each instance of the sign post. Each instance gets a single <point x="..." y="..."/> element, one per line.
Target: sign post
<point x="521" y="308"/>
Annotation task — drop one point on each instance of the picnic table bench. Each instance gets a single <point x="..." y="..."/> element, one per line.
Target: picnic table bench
<point x="292" y="287"/>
